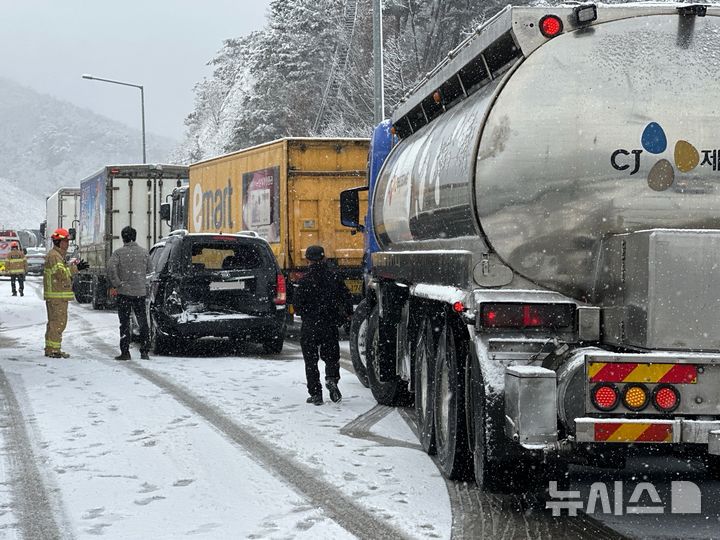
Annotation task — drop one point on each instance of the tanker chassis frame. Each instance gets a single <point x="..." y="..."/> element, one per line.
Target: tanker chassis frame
<point x="513" y="370"/>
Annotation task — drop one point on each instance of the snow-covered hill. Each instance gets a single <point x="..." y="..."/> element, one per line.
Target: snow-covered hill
<point x="47" y="143"/>
<point x="20" y="209"/>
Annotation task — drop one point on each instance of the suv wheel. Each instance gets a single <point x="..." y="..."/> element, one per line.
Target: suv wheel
<point x="274" y="345"/>
<point x="158" y="342"/>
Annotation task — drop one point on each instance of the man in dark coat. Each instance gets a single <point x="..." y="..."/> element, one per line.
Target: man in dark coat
<point x="324" y="303"/>
<point x="126" y="271"/>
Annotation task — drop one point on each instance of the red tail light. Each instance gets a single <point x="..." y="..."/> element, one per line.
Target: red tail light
<point x="605" y="397"/>
<point x="528" y="316"/>
<point x="280" y="291"/>
<point x="666" y="398"/>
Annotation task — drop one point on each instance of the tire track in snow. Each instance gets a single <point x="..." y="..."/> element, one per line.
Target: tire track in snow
<point x="31" y="501"/>
<point x="360" y="428"/>
<point x="305" y="481"/>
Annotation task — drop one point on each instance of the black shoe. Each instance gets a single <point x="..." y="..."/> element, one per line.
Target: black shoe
<point x="22" y="293"/>
<point x="14" y="294"/>
<point x="315" y="400"/>
<point x="144" y="356"/>
<point x="123" y="356"/>
<point x="335" y="394"/>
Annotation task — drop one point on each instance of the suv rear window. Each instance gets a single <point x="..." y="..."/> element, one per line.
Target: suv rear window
<point x="225" y="256"/>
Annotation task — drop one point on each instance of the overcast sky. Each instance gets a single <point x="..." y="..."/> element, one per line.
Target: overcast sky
<point x="163" y="45"/>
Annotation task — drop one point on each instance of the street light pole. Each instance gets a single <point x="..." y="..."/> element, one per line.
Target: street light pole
<point x="142" y="103"/>
<point x="379" y="97"/>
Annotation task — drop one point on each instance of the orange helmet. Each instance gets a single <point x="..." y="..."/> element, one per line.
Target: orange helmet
<point x="60" y="234"/>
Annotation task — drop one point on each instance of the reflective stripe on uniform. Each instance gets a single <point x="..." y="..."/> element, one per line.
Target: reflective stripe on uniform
<point x="52" y="344"/>
<point x="59" y="295"/>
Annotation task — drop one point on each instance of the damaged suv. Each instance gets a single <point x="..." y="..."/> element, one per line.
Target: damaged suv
<point x="219" y="285"/>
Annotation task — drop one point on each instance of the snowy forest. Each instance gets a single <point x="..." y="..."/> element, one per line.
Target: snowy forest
<point x="309" y="71"/>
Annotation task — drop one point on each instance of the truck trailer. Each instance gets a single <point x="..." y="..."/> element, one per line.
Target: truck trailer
<point x="112" y="198"/>
<point x="287" y="191"/>
<point x="62" y="210"/>
<point x="546" y="285"/>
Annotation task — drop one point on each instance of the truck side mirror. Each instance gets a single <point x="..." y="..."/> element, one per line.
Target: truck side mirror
<point x="73" y="234"/>
<point x="43" y="226"/>
<point x="165" y="211"/>
<point x="350" y="208"/>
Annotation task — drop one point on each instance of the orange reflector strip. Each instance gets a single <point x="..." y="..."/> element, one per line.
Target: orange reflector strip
<point x="642" y="373"/>
<point x="633" y="432"/>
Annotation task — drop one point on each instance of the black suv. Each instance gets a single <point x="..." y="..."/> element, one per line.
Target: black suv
<point x="222" y="285"/>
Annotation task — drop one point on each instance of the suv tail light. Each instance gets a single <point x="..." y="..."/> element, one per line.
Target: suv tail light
<point x="527" y="316"/>
<point x="280" y="291"/>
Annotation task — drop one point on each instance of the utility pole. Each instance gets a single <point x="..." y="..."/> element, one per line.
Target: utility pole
<point x="378" y="62"/>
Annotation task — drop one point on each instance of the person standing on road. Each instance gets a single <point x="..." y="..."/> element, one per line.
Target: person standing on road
<point x="126" y="271"/>
<point x="324" y="302"/>
<point x="57" y="291"/>
<point x="17" y="268"/>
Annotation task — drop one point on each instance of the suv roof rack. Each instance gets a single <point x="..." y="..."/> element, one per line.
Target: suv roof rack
<point x="179" y="232"/>
<point x="248" y="233"/>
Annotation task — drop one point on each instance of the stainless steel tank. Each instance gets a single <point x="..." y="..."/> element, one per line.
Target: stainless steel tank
<point x="602" y="131"/>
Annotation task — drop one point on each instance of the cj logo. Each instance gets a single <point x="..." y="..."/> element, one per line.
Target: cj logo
<point x="654" y="141"/>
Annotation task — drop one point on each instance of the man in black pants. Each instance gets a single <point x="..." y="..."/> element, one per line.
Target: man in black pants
<point x="126" y="271"/>
<point x="324" y="303"/>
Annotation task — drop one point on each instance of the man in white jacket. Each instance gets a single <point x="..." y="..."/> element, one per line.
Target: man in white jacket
<point x="126" y="271"/>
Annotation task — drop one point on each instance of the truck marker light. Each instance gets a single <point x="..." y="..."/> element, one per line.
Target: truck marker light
<point x="280" y="290"/>
<point x="605" y="397"/>
<point x="550" y="26"/>
<point x="666" y="398"/>
<point x="458" y="307"/>
<point x="635" y="397"/>
<point x="585" y="14"/>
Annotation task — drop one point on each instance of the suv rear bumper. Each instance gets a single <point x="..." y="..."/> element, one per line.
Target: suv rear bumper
<point x="195" y="325"/>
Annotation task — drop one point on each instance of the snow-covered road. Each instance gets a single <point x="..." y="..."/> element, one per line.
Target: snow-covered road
<point x="221" y="447"/>
<point x="221" y="444"/>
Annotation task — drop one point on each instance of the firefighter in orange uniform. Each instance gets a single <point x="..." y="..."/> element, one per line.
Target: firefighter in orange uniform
<point x="16" y="266"/>
<point x="57" y="281"/>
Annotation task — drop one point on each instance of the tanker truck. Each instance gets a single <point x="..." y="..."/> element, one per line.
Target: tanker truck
<point x="546" y="284"/>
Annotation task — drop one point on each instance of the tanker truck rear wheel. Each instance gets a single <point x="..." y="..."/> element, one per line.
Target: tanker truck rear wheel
<point x="358" y="341"/>
<point x="391" y="392"/>
<point x="491" y="473"/>
<point x="712" y="466"/>
<point x="451" y="437"/>
<point x="424" y="374"/>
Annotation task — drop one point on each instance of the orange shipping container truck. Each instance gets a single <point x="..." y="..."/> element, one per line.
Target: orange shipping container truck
<point x="288" y="192"/>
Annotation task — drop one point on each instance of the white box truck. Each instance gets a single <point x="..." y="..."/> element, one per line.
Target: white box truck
<point x="62" y="209"/>
<point x="110" y="199"/>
